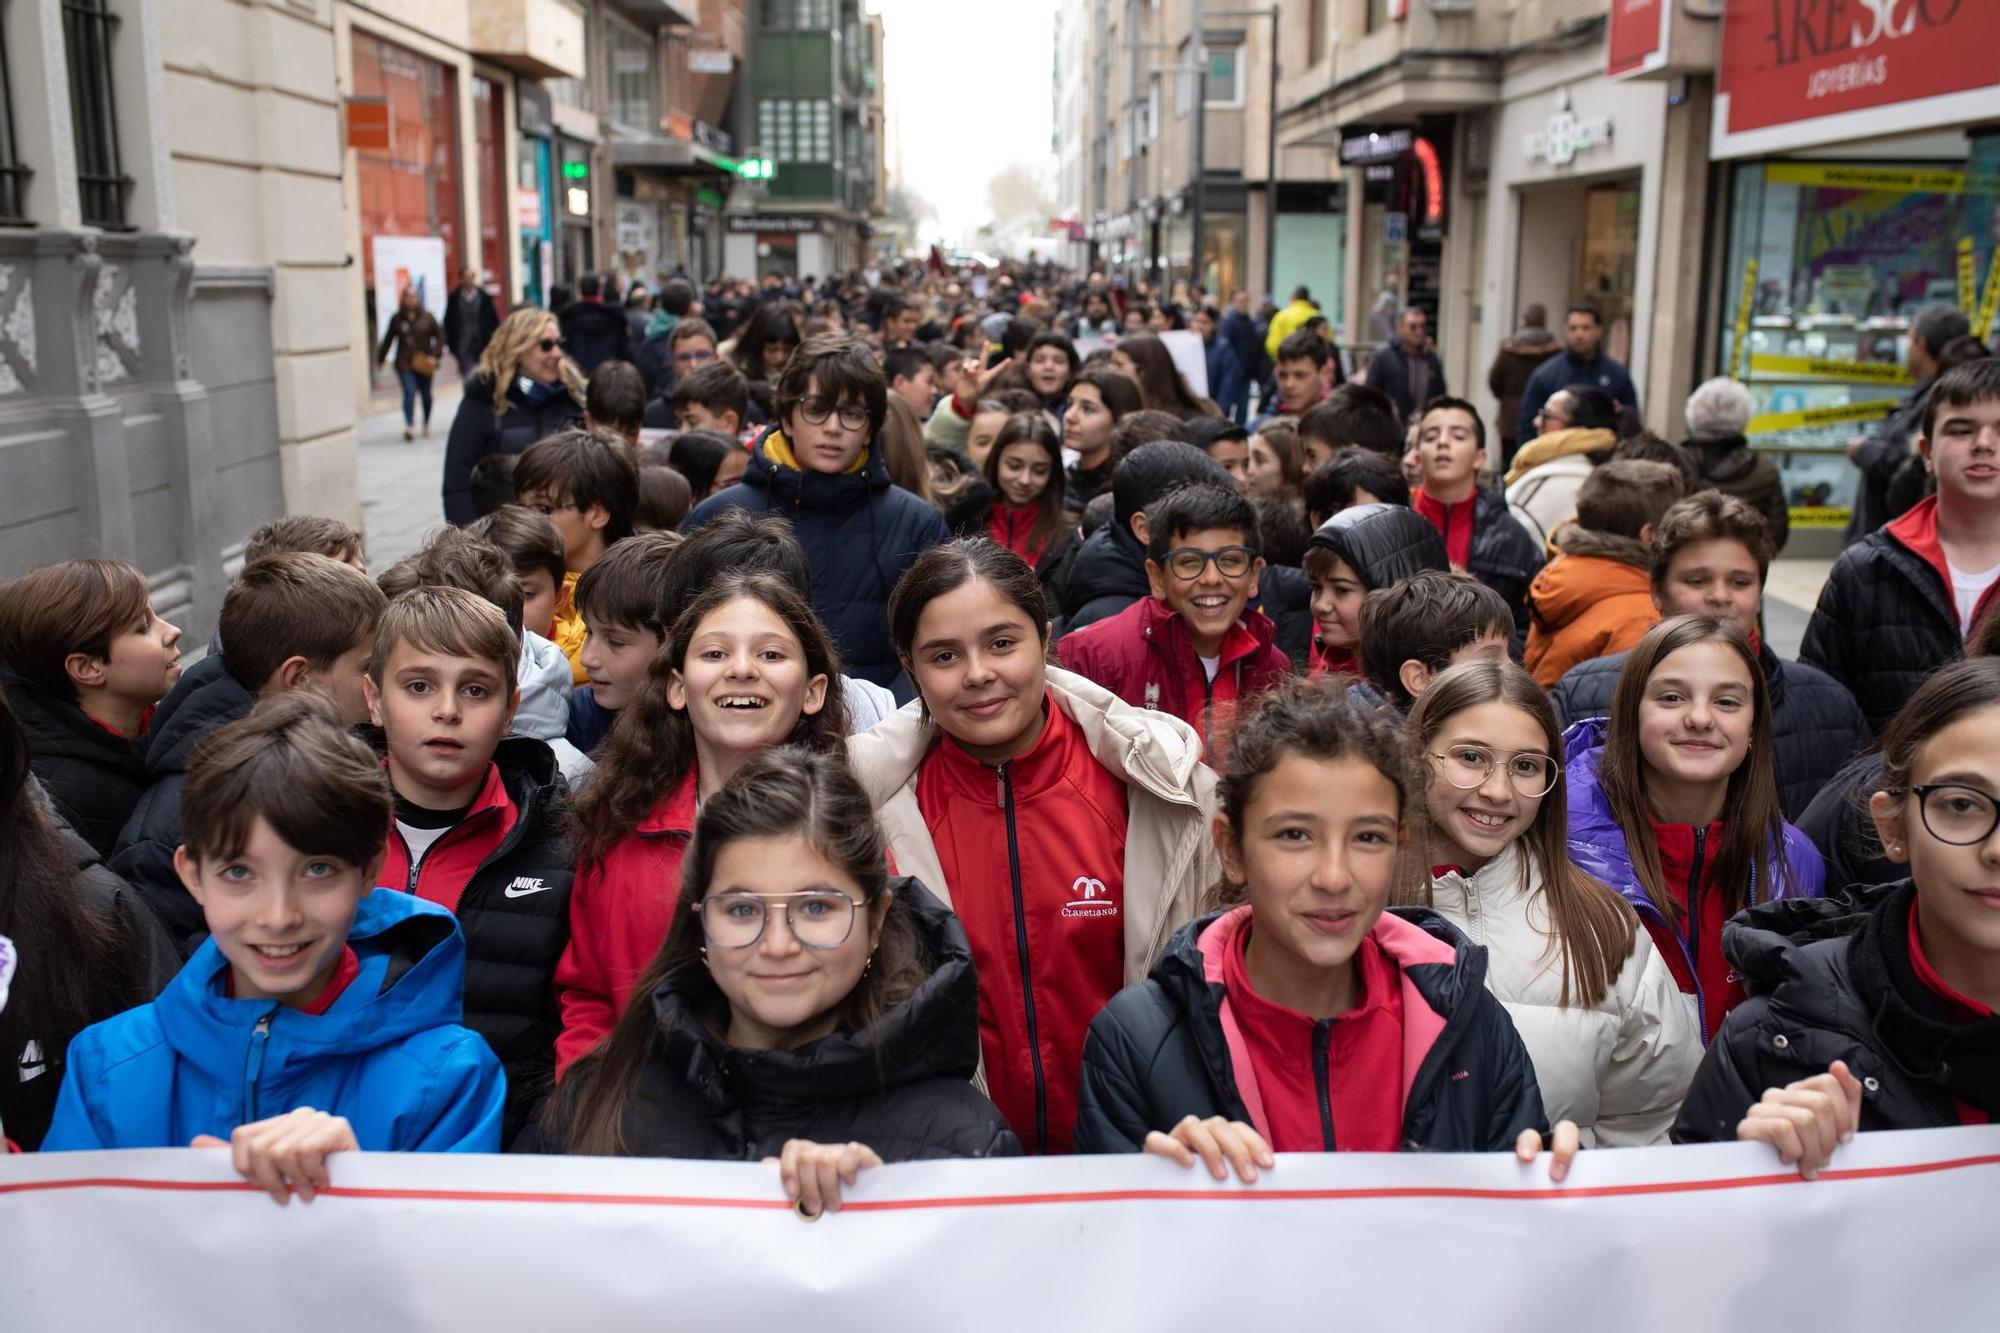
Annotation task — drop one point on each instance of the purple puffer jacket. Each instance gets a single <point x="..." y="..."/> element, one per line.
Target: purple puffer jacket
<point x="1597" y="844"/>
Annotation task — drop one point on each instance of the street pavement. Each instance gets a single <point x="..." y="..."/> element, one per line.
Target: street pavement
<point x="400" y="502"/>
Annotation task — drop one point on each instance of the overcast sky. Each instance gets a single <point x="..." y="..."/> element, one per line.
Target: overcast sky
<point x="966" y="89"/>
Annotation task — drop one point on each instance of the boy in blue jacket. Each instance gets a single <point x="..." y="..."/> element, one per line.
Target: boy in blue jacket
<point x="312" y="991"/>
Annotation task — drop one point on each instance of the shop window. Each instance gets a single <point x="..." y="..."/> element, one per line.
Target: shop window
<point x="1318" y="18"/>
<point x="89" y="28"/>
<point x="1152" y="108"/>
<point x="575" y="92"/>
<point x="414" y="188"/>
<point x="1845" y="255"/>
<point x="1225" y="76"/>
<point x="1381" y="13"/>
<point x="629" y="77"/>
<point x="13" y="176"/>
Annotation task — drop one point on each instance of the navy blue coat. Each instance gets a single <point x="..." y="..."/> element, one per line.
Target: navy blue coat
<point x="860" y="533"/>
<point x="1562" y="370"/>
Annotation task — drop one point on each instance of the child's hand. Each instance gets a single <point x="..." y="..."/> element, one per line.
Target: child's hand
<point x="812" y="1173"/>
<point x="286" y="1152"/>
<point x="1564" y="1141"/>
<point x="1805" y="1120"/>
<point x="1220" y="1144"/>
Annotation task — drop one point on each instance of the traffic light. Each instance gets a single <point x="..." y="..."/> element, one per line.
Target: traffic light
<point x="755" y="169"/>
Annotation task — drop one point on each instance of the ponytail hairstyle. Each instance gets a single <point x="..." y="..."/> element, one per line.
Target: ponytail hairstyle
<point x="1591" y="923"/>
<point x="791" y="791"/>
<point x="1755" y="825"/>
<point x="75" y="966"/>
<point x="945" y="569"/>
<point x="1033" y="428"/>
<point x="651" y="749"/>
<point x="1314" y="719"/>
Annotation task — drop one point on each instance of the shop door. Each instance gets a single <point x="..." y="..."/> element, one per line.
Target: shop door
<point x="1607" y="268"/>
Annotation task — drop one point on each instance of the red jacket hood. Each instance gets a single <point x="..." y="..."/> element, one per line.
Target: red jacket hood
<point x="1404" y="944"/>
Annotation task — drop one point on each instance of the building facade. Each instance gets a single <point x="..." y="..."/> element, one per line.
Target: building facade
<point x="814" y="81"/>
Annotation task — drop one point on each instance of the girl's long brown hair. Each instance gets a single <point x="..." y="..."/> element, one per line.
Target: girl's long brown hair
<point x="783" y="792"/>
<point x="1754" y="822"/>
<point x="1033" y="428"/>
<point x="650" y="751"/>
<point x="1591" y="923"/>
<point x="1161" y="384"/>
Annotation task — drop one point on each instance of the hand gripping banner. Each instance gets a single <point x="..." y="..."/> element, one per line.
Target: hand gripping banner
<point x="1898" y="1233"/>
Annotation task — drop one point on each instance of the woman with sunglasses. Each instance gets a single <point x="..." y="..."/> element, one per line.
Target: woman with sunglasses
<point x="525" y="388"/>
<point x="1613" y="1043"/>
<point x="806" y="1010"/>
<point x="822" y="468"/>
<point x="1876" y="1009"/>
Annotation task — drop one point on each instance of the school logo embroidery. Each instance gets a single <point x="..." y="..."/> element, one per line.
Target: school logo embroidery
<point x="526" y="885"/>
<point x="1089" y="898"/>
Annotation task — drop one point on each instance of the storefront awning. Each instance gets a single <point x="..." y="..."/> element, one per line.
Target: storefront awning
<point x="667" y="155"/>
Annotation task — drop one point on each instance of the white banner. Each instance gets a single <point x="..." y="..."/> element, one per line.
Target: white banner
<point x="1898" y="1235"/>
<point x="408" y="261"/>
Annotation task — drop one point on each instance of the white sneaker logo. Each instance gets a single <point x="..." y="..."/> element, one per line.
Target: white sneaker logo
<point x="524" y="886"/>
<point x="1089" y="897"/>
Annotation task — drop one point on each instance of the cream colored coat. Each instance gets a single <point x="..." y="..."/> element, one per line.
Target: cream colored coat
<point x="1169" y="856"/>
<point x="1619" y="1068"/>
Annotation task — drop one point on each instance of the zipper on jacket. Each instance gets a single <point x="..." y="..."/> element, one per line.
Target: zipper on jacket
<point x="1027" y="977"/>
<point x="1694" y="905"/>
<point x="1207" y="701"/>
<point x="1322" y="1039"/>
<point x="253" y="1065"/>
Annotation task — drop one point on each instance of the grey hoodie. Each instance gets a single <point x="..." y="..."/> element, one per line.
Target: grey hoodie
<point x="543" y="713"/>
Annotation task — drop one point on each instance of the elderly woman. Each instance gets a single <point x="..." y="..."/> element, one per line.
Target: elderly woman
<point x="1717" y="413"/>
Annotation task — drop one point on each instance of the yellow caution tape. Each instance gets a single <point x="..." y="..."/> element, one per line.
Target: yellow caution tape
<point x="1773" y="422"/>
<point x="1743" y="304"/>
<point x="1982" y="328"/>
<point x="1820" y="516"/>
<point x="1820" y="368"/>
<point x="1892" y="179"/>
<point x="1968" y="293"/>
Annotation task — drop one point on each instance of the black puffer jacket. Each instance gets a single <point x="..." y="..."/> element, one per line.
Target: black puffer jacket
<point x="1838" y="823"/>
<point x="1886" y="618"/>
<point x="1831" y="979"/>
<point x="903" y="1087"/>
<point x="514" y="912"/>
<point x="1382" y="542"/>
<point x="1815" y="724"/>
<point x="596" y="332"/>
<point x="1107" y="575"/>
<point x="477" y="432"/>
<point x="1284" y="593"/>
<point x="1504" y="558"/>
<point x="1731" y="466"/>
<point x="205" y="698"/>
<point x="92" y="777"/>
<point x="1157" y="1053"/>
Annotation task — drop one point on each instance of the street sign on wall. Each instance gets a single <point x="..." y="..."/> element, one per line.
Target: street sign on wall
<point x="1637" y="41"/>
<point x="1795" y="73"/>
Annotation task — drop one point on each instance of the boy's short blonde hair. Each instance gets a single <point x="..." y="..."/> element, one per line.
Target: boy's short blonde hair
<point x="451" y="621"/>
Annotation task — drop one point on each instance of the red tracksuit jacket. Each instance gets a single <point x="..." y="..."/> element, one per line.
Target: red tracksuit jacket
<point x="1034" y="852"/>
<point x="453" y="859"/>
<point x="619" y="911"/>
<point x="1145" y="656"/>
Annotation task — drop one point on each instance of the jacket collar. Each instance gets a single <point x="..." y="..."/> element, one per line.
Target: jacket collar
<point x="1917" y="533"/>
<point x="1252" y="632"/>
<point x="774" y="469"/>
<point x="675" y="812"/>
<point x="1556" y="444"/>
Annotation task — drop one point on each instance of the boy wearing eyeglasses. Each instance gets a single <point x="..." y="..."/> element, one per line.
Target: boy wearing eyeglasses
<point x="586" y="484"/>
<point x="821" y="469"/>
<point x="1192" y="648"/>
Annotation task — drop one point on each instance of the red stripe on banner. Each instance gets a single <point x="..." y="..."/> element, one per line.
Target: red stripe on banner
<point x="1249" y="1195"/>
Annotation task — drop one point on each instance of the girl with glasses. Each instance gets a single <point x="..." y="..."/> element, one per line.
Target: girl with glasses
<point x="1302" y="1015"/>
<point x="1613" y="1044"/>
<point x="806" y="1008"/>
<point x="745" y="668"/>
<point x="1673" y="801"/>
<point x="1875" y="1010"/>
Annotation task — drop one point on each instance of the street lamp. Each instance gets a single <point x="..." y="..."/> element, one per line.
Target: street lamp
<point x="1270" y="140"/>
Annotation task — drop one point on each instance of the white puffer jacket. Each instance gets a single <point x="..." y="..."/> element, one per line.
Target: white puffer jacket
<point x="1620" y="1068"/>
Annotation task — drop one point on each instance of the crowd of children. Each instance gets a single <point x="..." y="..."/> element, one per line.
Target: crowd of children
<point x="720" y="797"/>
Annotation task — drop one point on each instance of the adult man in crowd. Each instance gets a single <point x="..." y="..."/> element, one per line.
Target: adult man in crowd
<point x="1900" y="602"/>
<point x="1581" y="361"/>
<point x="594" y="331"/>
<point x="653" y="356"/>
<point x="1881" y="455"/>
<point x="1239" y="330"/>
<point x="1408" y="370"/>
<point x="469" y="320"/>
<point x="1289" y="320"/>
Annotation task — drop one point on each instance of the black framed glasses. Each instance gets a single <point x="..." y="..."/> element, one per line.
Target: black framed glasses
<point x="1467" y="767"/>
<point x="1959" y="816"/>
<point x="817" y="918"/>
<point x="1187" y="563"/>
<point x="818" y="410"/>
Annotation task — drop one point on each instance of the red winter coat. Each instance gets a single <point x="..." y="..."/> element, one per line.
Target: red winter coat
<point x="1145" y="656"/>
<point x="1015" y="529"/>
<point x="619" y="912"/>
<point x="1034" y="852"/>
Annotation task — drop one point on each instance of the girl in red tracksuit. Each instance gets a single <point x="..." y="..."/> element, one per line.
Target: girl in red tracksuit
<point x="1303" y="1016"/>
<point x="1066" y="829"/>
<point x="1025" y="469"/>
<point x="746" y="667"/>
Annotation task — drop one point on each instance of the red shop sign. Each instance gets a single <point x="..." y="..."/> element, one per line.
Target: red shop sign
<point x="1797" y="63"/>
<point x="1638" y="38"/>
